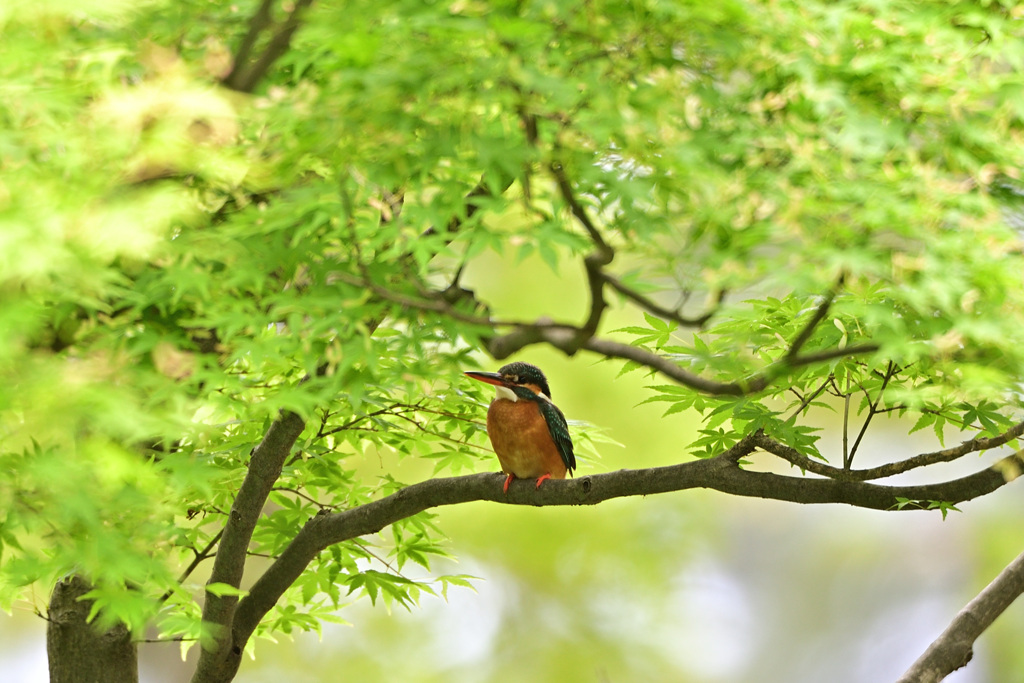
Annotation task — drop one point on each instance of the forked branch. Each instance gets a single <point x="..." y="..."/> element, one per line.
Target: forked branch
<point x="722" y="473"/>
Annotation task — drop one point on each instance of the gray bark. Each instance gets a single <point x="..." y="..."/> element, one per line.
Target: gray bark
<point x="77" y="651"/>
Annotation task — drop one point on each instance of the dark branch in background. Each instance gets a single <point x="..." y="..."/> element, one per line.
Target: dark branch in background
<point x="660" y="311"/>
<point x="595" y="261"/>
<point x="754" y="384"/>
<point x="830" y="354"/>
<point x="565" y="188"/>
<point x="955" y="647"/>
<point x="570" y="339"/>
<point x="259" y="22"/>
<point x="808" y="330"/>
<point x="567" y="338"/>
<point x="248" y="71"/>
<point x="613" y="349"/>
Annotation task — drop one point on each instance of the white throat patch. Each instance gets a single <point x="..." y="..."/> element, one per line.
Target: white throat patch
<point x="506" y="393"/>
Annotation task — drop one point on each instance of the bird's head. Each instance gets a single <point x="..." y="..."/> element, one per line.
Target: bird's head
<point x="516" y="374"/>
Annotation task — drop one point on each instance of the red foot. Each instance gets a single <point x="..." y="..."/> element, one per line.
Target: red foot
<point x="540" y="479"/>
<point x="508" y="480"/>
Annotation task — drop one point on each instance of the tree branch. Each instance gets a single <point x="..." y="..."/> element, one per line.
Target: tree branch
<point x="722" y="473"/>
<point x="750" y="385"/>
<point x="199" y="557"/>
<point x="243" y="76"/>
<point x="260" y="20"/>
<point x="981" y="443"/>
<point x="593" y="262"/>
<point x="229" y="563"/>
<point x="808" y="330"/>
<point x="613" y="349"/>
<point x="831" y="354"/>
<point x="795" y="457"/>
<point x="660" y="311"/>
<point x="955" y="647"/>
<point x="890" y="372"/>
<point x="565" y="188"/>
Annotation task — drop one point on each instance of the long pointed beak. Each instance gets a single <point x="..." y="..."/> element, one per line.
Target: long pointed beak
<point x="488" y="377"/>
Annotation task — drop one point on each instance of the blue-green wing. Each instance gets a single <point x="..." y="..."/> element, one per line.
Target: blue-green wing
<point x="557" y="426"/>
<point x="559" y="429"/>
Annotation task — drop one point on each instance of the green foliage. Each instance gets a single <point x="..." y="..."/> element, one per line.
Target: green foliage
<point x="179" y="263"/>
<point x="941" y="505"/>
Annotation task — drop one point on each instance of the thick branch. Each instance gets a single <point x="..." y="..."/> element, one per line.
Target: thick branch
<point x="954" y="648"/>
<point x="722" y="473"/>
<point x="229" y="563"/>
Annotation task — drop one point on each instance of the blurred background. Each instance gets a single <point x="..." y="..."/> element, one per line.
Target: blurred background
<point x="690" y="586"/>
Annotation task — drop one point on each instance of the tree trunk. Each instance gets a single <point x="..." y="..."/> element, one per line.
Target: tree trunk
<point x="77" y="651"/>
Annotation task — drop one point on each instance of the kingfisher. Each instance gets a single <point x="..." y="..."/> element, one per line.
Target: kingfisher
<point x="528" y="432"/>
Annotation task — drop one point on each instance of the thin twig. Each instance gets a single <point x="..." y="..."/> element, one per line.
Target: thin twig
<point x="565" y="188"/>
<point x="806" y="401"/>
<point x="808" y="330"/>
<point x="365" y="548"/>
<point x="203" y="554"/>
<point x="846" y="429"/>
<point x="831" y="354"/>
<point x="890" y="372"/>
<point x="307" y="497"/>
<point x="794" y="457"/>
<point x="655" y="309"/>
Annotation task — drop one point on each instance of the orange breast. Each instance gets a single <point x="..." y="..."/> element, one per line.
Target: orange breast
<point x="521" y="440"/>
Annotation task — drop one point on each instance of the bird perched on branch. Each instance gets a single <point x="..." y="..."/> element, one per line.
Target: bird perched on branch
<point x="528" y="432"/>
